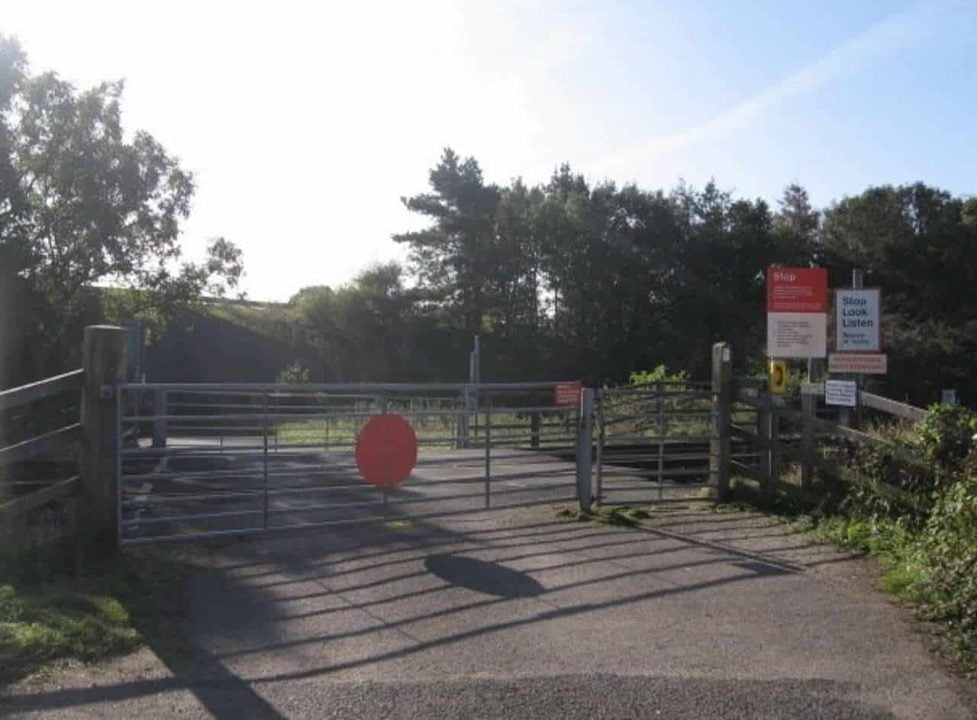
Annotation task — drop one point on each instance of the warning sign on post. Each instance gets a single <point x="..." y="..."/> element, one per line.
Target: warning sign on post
<point x="778" y="377"/>
<point x="797" y="307"/>
<point x="567" y="393"/>
<point x="858" y="363"/>
<point x="857" y="320"/>
<point x="841" y="392"/>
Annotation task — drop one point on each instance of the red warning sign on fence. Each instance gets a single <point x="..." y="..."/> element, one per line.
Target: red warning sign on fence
<point x="567" y="393"/>
<point x="386" y="450"/>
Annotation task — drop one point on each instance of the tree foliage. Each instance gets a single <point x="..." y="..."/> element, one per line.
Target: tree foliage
<point x="83" y="203"/>
<point x="573" y="279"/>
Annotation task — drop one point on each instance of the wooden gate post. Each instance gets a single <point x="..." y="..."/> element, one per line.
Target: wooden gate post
<point x="104" y="363"/>
<point x="722" y="393"/>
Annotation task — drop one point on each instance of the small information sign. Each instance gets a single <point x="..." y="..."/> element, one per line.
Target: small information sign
<point x="841" y="392"/>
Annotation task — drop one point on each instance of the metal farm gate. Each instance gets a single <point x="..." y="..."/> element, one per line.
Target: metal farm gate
<point x="203" y="460"/>
<point x="655" y="443"/>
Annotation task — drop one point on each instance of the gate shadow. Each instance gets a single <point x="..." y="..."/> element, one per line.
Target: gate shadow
<point x="227" y="603"/>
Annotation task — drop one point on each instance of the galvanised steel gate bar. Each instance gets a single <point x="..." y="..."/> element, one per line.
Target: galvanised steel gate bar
<point x="653" y="442"/>
<point x="211" y="459"/>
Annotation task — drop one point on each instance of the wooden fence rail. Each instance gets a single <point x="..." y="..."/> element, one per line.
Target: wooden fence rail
<point x="15" y="397"/>
<point x="59" y="440"/>
<point x="775" y="445"/>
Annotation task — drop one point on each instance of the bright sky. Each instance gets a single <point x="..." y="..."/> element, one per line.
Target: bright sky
<point x="305" y="123"/>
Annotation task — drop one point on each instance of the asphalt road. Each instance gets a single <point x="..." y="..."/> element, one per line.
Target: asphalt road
<point x="514" y="613"/>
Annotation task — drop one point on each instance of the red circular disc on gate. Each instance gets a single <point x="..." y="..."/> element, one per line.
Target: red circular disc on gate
<point x="386" y="450"/>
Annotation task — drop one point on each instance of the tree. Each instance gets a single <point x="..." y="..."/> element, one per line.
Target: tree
<point x="83" y="206"/>
<point x="917" y="243"/>
<point x="370" y="327"/>
<point x="796" y="226"/>
<point x="455" y="257"/>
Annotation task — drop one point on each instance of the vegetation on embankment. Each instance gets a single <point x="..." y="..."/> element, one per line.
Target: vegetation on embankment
<point x="52" y="612"/>
<point x="928" y="548"/>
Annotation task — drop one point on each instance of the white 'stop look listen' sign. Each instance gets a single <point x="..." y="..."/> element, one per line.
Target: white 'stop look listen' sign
<point x="857" y="320"/>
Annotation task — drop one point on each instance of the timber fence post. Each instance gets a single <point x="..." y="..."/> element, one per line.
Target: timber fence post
<point x="104" y="362"/>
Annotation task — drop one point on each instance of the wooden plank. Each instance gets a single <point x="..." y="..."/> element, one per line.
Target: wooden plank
<point x="41" y="497"/>
<point x="855" y="478"/>
<point x="24" y="394"/>
<point x="892" y="407"/>
<point x="48" y="442"/>
<point x="829" y="427"/>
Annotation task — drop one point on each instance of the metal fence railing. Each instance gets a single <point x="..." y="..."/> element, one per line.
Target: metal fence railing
<point x="227" y="459"/>
<point x="654" y="441"/>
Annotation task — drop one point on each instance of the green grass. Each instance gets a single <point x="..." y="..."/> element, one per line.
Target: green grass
<point x="51" y="615"/>
<point x="915" y="568"/>
<point x="623" y="515"/>
<point x="437" y="429"/>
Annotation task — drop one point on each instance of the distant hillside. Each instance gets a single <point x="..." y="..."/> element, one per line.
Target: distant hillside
<point x="234" y="341"/>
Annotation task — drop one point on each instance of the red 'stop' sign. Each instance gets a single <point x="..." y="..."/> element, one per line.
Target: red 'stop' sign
<point x="567" y="393"/>
<point x="797" y="290"/>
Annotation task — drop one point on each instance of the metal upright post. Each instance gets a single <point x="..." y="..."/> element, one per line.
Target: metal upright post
<point x="585" y="449"/>
<point x="264" y="463"/>
<point x="159" y="419"/>
<point x="118" y="466"/>
<point x="857" y="283"/>
<point x="722" y="386"/>
<point x="764" y="432"/>
<point x="776" y="461"/>
<point x="661" y="439"/>
<point x="462" y="419"/>
<point x="599" y="402"/>
<point x="488" y="451"/>
<point x="809" y="407"/>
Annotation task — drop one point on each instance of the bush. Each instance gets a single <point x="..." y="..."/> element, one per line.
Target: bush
<point x="946" y="436"/>
<point x="294" y="374"/>
<point x="948" y="586"/>
<point x="929" y="548"/>
<point x="659" y="375"/>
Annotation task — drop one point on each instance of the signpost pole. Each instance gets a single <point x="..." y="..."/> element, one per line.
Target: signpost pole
<point x="857" y="283"/>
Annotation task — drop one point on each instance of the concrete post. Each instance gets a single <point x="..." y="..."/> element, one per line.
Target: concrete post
<point x="585" y="449"/>
<point x="722" y="393"/>
<point x="104" y="363"/>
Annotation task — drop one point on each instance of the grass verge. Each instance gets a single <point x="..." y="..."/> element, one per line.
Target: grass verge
<point x="52" y="614"/>
<point x="930" y="563"/>
<point x="624" y="515"/>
